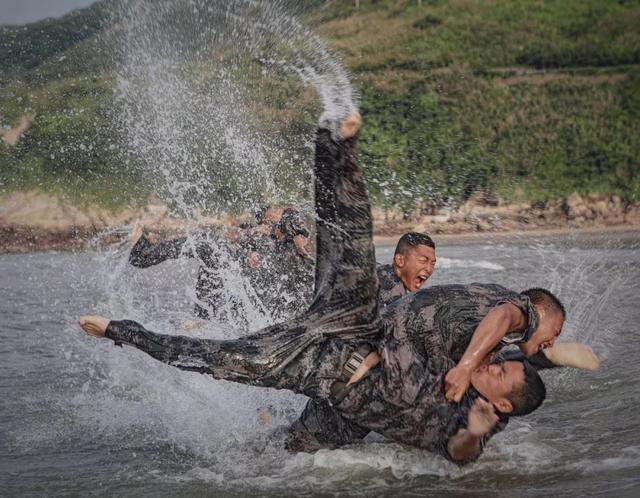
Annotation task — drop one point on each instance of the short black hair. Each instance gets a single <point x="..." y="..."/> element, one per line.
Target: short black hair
<point x="546" y="299"/>
<point x="413" y="239"/>
<point x="530" y="395"/>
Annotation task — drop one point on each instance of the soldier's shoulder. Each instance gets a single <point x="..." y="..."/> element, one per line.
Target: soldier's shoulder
<point x="386" y="275"/>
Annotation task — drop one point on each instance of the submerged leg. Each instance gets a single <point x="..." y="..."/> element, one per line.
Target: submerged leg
<point x="321" y="426"/>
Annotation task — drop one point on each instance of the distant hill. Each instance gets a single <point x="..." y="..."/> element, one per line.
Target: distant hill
<point x="530" y="100"/>
<point x="24" y="48"/>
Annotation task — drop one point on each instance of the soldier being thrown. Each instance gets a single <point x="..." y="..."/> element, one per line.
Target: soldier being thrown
<point x="328" y="353"/>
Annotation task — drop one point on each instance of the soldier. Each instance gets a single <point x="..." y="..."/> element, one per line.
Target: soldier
<point x="414" y="261"/>
<point x="273" y="257"/>
<point x="379" y="374"/>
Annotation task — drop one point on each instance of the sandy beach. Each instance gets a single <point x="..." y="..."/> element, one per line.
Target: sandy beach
<point x="34" y="221"/>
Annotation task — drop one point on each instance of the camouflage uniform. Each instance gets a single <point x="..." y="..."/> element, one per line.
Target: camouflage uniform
<point x="320" y="425"/>
<point x="425" y="334"/>
<point x="283" y="272"/>
<point x="418" y="337"/>
<point x="306" y="353"/>
<point x="391" y="287"/>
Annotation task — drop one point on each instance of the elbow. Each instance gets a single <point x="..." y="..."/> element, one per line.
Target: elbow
<point x="461" y="459"/>
<point x="462" y="451"/>
<point x="458" y="457"/>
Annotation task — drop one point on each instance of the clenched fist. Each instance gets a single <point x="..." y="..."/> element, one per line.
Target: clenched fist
<point x="456" y="383"/>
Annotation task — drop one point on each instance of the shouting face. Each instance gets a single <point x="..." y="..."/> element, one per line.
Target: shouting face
<point x="415" y="266"/>
<point x="545" y="335"/>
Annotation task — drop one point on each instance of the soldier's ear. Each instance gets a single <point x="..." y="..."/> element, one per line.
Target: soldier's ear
<point x="503" y="405"/>
<point x="398" y="260"/>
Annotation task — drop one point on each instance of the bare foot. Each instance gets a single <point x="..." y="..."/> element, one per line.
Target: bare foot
<point x="573" y="354"/>
<point x="94" y="325"/>
<point x="350" y="125"/>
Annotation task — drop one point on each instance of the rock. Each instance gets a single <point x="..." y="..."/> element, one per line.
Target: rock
<point x="600" y="207"/>
<point x="575" y="206"/>
<point x="439" y="218"/>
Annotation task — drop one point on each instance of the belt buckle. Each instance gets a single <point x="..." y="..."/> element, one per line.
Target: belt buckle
<point x="353" y="363"/>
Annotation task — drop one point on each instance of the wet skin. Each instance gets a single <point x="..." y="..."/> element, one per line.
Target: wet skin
<point x="545" y="335"/>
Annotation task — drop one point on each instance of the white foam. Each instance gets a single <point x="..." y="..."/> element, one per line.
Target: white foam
<point x="468" y="263"/>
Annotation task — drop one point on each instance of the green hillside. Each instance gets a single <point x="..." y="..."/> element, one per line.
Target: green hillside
<point x="531" y="100"/>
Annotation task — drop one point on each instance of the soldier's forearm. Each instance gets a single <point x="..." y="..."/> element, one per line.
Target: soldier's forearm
<point x="493" y="327"/>
<point x="464" y="446"/>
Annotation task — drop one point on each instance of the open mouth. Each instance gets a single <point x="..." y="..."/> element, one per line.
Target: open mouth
<point x="419" y="280"/>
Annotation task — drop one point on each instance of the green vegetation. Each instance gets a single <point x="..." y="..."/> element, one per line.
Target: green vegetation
<point x="529" y="99"/>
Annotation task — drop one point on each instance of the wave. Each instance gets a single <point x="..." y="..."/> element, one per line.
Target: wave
<point x="467" y="263"/>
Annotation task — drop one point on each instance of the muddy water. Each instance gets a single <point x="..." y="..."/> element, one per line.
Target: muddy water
<point x="82" y="417"/>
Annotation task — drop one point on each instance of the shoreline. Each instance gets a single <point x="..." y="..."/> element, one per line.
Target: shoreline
<point x="464" y="237"/>
<point x="36" y="222"/>
<point x="21" y="240"/>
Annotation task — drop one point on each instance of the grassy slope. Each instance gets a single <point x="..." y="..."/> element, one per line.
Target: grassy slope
<point x="455" y="98"/>
<point x="530" y="99"/>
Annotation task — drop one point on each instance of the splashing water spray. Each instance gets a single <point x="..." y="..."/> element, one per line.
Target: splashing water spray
<point x="217" y="103"/>
<point x="213" y="102"/>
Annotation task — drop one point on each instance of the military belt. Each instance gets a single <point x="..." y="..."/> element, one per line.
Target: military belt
<point x="341" y="387"/>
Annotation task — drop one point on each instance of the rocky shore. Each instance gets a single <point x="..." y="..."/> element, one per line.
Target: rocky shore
<point x="32" y="221"/>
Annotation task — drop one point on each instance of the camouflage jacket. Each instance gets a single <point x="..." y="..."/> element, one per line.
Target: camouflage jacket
<point x="391" y="287"/>
<point x="424" y="336"/>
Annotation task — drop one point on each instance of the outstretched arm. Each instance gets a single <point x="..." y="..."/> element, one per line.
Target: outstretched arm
<point x="500" y="321"/>
<point x="467" y="444"/>
<point x="145" y="254"/>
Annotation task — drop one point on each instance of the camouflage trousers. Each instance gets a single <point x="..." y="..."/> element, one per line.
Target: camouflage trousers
<point x="251" y="360"/>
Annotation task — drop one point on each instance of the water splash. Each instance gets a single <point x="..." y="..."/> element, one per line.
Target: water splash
<point x="212" y="103"/>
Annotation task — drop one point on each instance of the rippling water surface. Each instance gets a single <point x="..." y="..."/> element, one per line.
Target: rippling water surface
<point x="80" y="416"/>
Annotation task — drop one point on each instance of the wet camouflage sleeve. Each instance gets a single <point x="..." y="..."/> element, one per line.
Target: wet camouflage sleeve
<point x="205" y="246"/>
<point x="145" y="254"/>
<point x="391" y="287"/>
